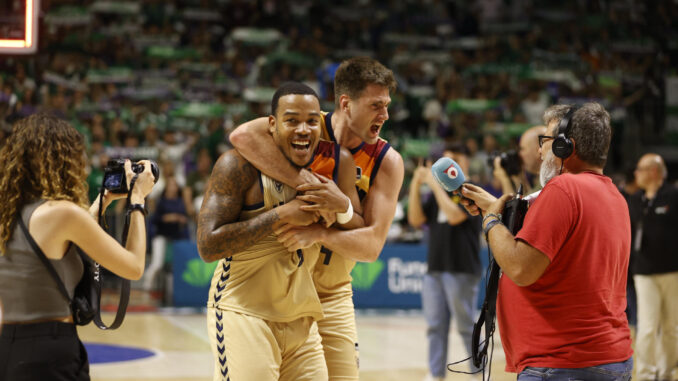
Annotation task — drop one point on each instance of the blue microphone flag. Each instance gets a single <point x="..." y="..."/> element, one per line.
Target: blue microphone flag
<point x="448" y="174"/>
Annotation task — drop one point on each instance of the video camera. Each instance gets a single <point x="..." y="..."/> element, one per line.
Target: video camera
<point x="115" y="179"/>
<point x="510" y="161"/>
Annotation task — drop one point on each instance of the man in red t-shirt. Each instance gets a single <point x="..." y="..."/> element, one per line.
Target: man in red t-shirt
<point x="562" y="296"/>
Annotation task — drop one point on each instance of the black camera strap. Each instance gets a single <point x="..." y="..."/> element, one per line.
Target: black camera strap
<point x="43" y="258"/>
<point x="514" y="213"/>
<point x="125" y="286"/>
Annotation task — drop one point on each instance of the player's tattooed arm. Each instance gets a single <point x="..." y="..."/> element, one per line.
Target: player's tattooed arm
<point x="220" y="234"/>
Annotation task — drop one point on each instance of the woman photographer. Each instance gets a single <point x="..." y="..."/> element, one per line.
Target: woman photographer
<point x="44" y="182"/>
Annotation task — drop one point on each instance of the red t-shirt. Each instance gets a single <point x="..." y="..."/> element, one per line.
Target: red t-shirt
<point x="573" y="316"/>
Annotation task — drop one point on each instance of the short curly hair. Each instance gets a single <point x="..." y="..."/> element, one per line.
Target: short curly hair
<point x="44" y="159"/>
<point x="590" y="129"/>
<point x="355" y="74"/>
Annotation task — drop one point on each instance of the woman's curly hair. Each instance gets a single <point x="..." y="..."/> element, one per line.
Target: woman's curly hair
<point x="44" y="158"/>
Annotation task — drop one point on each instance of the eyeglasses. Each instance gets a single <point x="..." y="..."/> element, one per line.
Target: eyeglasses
<point x="542" y="137"/>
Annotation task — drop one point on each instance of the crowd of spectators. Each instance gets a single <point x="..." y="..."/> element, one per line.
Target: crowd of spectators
<point x="169" y="79"/>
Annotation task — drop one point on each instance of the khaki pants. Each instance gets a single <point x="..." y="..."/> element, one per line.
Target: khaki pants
<point x="657" y="335"/>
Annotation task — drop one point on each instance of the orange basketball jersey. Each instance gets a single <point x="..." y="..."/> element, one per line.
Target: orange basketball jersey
<point x="332" y="273"/>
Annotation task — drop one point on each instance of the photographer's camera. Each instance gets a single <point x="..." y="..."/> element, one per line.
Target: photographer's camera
<point x="510" y="161"/>
<point x="115" y="179"/>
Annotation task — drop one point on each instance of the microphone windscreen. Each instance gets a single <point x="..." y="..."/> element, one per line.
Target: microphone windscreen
<point x="448" y="174"/>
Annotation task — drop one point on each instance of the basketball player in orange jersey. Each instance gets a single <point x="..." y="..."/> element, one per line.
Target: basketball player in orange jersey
<point x="362" y="87"/>
<point x="262" y="302"/>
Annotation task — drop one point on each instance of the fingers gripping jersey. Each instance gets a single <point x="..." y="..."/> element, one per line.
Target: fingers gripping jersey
<point x="265" y="280"/>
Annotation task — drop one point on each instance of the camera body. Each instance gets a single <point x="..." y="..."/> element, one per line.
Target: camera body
<point x="510" y="161"/>
<point x="514" y="214"/>
<point x="115" y="179"/>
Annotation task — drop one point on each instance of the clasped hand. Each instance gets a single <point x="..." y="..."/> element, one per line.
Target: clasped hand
<point x="323" y="197"/>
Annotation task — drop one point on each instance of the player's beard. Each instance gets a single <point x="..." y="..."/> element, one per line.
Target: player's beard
<point x="549" y="168"/>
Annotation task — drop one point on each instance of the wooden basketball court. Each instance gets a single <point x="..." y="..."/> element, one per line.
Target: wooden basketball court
<point x="392" y="347"/>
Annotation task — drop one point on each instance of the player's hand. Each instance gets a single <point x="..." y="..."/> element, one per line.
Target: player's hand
<point x="324" y="196"/>
<point x="328" y="218"/>
<point x="291" y="213"/>
<point x="307" y="176"/>
<point x="297" y="237"/>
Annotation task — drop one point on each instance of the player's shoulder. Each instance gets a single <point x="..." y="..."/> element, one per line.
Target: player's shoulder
<point x="392" y="157"/>
<point x="392" y="167"/>
<point x="232" y="162"/>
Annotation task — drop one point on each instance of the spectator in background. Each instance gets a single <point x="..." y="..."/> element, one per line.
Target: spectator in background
<point x="170" y="222"/>
<point x="173" y="149"/>
<point x="197" y="181"/>
<point x="477" y="167"/>
<point x="450" y="285"/>
<point x="628" y="188"/>
<point x="534" y="105"/>
<point x="654" y="217"/>
<point x="530" y="164"/>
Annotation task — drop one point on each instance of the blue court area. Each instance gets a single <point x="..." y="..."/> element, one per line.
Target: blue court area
<point x="107" y="353"/>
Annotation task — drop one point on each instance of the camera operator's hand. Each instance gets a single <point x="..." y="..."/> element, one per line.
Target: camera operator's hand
<point x="484" y="202"/>
<point x="144" y="183"/>
<point x="482" y="199"/>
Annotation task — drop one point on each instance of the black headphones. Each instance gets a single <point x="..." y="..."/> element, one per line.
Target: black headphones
<point x="562" y="146"/>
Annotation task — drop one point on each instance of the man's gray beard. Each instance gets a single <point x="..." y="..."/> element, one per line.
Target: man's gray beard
<point x="549" y="168"/>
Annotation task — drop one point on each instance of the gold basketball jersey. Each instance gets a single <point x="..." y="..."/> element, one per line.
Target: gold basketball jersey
<point x="266" y="280"/>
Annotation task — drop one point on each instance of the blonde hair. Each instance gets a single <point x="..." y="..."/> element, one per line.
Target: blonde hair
<point x="44" y="159"/>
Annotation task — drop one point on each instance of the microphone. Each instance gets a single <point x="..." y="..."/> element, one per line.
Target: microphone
<point x="448" y="174"/>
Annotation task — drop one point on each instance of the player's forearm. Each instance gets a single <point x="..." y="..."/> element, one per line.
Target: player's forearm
<point x="415" y="213"/>
<point x="232" y="238"/>
<point x="259" y="148"/>
<point x="361" y="245"/>
<point x="356" y="222"/>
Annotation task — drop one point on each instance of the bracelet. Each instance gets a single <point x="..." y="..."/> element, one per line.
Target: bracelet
<point x="345" y="217"/>
<point x="489" y="227"/>
<point x="497" y="216"/>
<point x="139" y="207"/>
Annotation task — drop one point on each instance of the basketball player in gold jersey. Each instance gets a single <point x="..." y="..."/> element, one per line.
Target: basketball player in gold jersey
<point x="362" y="87"/>
<point x="262" y="302"/>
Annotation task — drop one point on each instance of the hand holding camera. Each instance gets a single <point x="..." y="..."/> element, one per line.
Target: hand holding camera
<point x="118" y="175"/>
<point x="148" y="174"/>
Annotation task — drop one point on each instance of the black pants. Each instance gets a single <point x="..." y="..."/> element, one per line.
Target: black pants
<point x="42" y="351"/>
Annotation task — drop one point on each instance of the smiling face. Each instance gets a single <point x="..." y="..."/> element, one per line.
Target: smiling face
<point x="296" y="127"/>
<point x="368" y="113"/>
